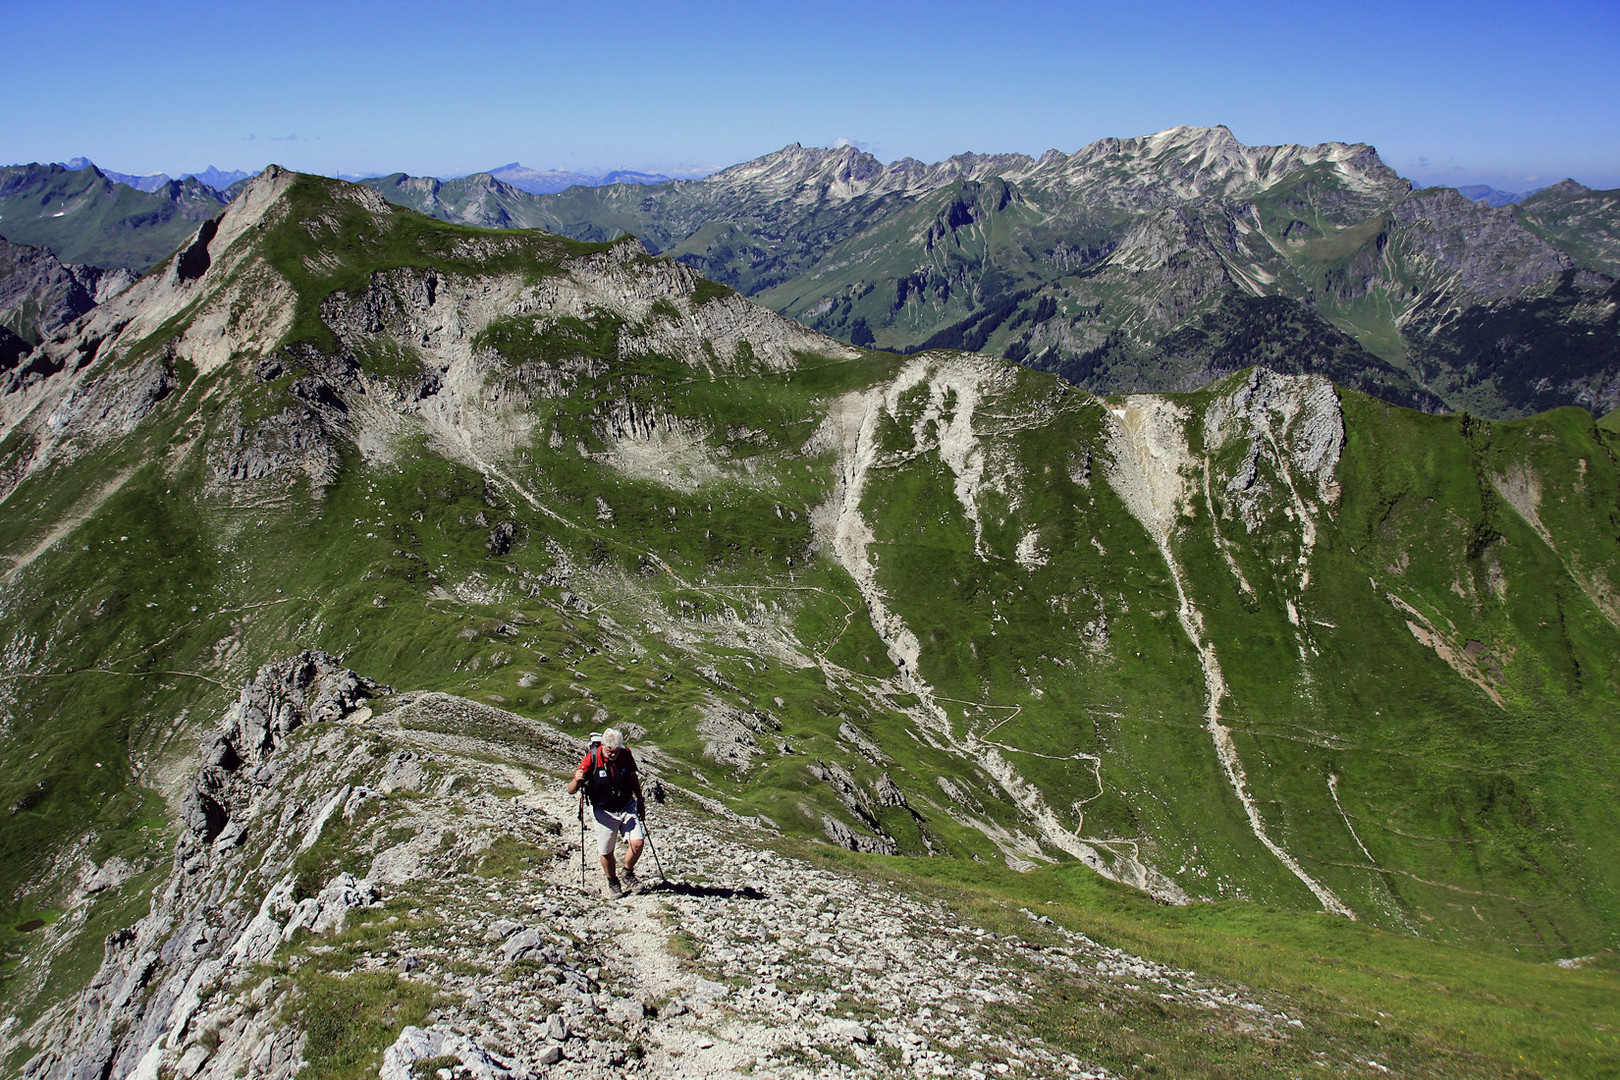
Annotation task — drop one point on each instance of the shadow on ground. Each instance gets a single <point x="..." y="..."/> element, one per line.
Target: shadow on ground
<point x="686" y="888"/>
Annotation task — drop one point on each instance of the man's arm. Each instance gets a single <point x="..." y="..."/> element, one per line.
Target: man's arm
<point x="579" y="778"/>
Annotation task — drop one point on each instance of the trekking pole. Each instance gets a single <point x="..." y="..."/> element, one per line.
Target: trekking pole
<point x="656" y="861"/>
<point x="582" y="840"/>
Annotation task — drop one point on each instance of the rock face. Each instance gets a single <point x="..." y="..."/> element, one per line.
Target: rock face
<point x="241" y="820"/>
<point x="731" y="735"/>
<point x="39" y="296"/>
<point x="769" y="966"/>
<point x="1296" y="424"/>
<point x="294" y="444"/>
<point x="1484" y="250"/>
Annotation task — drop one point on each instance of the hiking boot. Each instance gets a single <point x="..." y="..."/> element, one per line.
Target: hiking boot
<point x="630" y="879"/>
<point x="614" y="889"/>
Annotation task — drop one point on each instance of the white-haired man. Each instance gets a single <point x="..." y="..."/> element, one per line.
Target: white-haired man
<point x="613" y="784"/>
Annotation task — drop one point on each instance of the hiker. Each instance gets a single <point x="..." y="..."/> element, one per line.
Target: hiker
<point x="610" y="779"/>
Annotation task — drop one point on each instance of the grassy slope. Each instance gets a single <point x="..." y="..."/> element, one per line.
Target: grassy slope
<point x="1586" y="226"/>
<point x="85" y="218"/>
<point x="1473" y="812"/>
<point x="364" y="571"/>
<point x="1420" y="753"/>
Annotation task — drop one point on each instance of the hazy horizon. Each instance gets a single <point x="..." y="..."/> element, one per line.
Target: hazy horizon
<point x="1422" y="178"/>
<point x="1484" y="94"/>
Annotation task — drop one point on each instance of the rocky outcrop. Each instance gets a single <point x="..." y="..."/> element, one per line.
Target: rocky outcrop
<point x="846" y="837"/>
<point x="113" y="403"/>
<point x="40" y="296"/>
<point x="1481" y="250"/>
<point x="1291" y="424"/>
<point x="731" y="735"/>
<point x="857" y="802"/>
<point x="239" y="831"/>
<point x="291" y="445"/>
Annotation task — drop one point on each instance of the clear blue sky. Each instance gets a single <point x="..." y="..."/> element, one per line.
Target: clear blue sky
<point x="1515" y="95"/>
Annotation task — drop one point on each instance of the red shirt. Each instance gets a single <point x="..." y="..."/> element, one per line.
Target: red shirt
<point x="610" y="785"/>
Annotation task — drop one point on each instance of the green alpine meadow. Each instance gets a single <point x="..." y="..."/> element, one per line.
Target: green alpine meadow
<point x="1294" y="693"/>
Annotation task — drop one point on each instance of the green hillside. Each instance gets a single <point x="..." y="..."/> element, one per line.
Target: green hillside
<point x="83" y="217"/>
<point x="1270" y="642"/>
<point x="1581" y="221"/>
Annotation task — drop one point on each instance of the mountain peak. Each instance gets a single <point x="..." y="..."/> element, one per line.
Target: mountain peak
<point x="1569" y="186"/>
<point x="1192" y="135"/>
<point x="841" y="171"/>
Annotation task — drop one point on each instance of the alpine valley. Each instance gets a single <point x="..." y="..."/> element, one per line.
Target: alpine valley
<point x="1256" y="719"/>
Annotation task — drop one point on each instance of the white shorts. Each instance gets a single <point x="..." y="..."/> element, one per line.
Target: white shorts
<point x="610" y="824"/>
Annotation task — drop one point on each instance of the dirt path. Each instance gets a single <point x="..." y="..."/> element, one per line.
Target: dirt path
<point x="67" y="524"/>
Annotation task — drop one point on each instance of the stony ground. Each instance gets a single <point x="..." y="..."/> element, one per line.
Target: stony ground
<point x="740" y="962"/>
<point x="731" y="959"/>
<point x="735" y="961"/>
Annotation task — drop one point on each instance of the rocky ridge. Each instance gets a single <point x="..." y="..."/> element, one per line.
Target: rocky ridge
<point x="465" y="900"/>
<point x="1199" y="161"/>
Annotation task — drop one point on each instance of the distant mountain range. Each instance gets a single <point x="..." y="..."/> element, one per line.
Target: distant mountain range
<point x="84" y="216"/>
<point x="520" y="176"/>
<point x="1493" y="196"/>
<point x="550" y="181"/>
<point x="211" y="176"/>
<point x="1158" y="262"/>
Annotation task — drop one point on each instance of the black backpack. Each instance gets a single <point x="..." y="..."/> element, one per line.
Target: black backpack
<point x="608" y="786"/>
